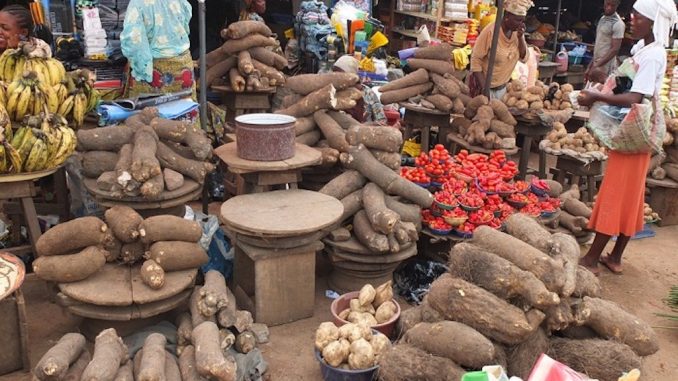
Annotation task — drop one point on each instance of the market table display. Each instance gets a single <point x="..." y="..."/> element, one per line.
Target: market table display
<point x="530" y="130"/>
<point x="277" y="284"/>
<point x="246" y="102"/>
<point x="422" y="119"/>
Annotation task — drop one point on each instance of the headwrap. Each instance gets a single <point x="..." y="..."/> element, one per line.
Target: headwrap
<point x="348" y="64"/>
<point x="518" y="7"/>
<point x="663" y="14"/>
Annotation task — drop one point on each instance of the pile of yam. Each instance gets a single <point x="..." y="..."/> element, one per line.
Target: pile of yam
<point x="246" y="61"/>
<point x="486" y="123"/>
<point x="573" y="216"/>
<point x="573" y="144"/>
<point x="508" y="299"/>
<point x="664" y="165"/>
<point x="535" y="99"/>
<point x="76" y="249"/>
<point x="145" y="156"/>
<point x="350" y="346"/>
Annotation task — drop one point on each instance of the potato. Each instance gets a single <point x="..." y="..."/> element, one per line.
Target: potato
<point x="511" y="101"/>
<point x="362" y="355"/>
<point x="547" y="105"/>
<point x="531" y="97"/>
<point x="325" y="334"/>
<point x="537" y="105"/>
<point x="345" y="348"/>
<point x="522" y="105"/>
<point x="365" y="331"/>
<point x="367" y="294"/>
<point x="344" y="314"/>
<point x="567" y="87"/>
<point x="350" y="332"/>
<point x="558" y="95"/>
<point x="356" y="307"/>
<point x="384" y="294"/>
<point x="380" y="343"/>
<point x="385" y="312"/>
<point x="333" y="353"/>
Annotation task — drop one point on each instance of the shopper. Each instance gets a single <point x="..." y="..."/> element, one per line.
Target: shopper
<point x="511" y="47"/>
<point x="619" y="206"/>
<point x="609" y="35"/>
<point x="369" y="108"/>
<point x="155" y="40"/>
<point x="16" y="25"/>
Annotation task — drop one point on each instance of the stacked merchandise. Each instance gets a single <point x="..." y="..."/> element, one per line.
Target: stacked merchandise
<point x="311" y="25"/>
<point x="411" y="5"/>
<point x="456" y="9"/>
<point x="473" y="31"/>
<point x="112" y="15"/>
<point x="669" y="90"/>
<point x="95" y="35"/>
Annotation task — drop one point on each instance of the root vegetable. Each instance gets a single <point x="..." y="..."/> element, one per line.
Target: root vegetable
<point x="209" y="359"/>
<point x="367" y="294"/>
<point x="125" y="372"/>
<point x="107" y="181"/>
<point x="244" y="28"/>
<point x="333" y="353"/>
<point x="275" y="78"/>
<point x="340" y="235"/>
<point x="360" y="158"/>
<point x="415" y="315"/>
<point x="172" y="130"/>
<point x="524" y="355"/>
<point x="352" y="204"/>
<point x="196" y="170"/>
<point x="522" y="255"/>
<point x="72" y="235"/>
<point x="493" y="317"/>
<point x="382" y="219"/>
<point x="214" y="294"/>
<point x="245" y="62"/>
<point x="671" y="170"/>
<point x="104" y="139"/>
<point x="152" y="274"/>
<point x="502" y="129"/>
<point x="268" y="57"/>
<point x="173" y="179"/>
<point x="610" y="321"/>
<point x="555" y="188"/>
<point x="305" y="84"/>
<point x="187" y="366"/>
<point x="350" y="93"/>
<point x="461" y="125"/>
<point x="197" y="317"/>
<point x="356" y="307"/>
<point x="473" y="106"/>
<point x="308" y="138"/>
<point x="447" y="87"/>
<point x="132" y="252"/>
<point x="70" y="267"/>
<point x="560" y="316"/>
<point x="245" y="342"/>
<point x="566" y="248"/>
<point x="178" y="255"/>
<point x="344" y="184"/>
<point x="153" y="186"/>
<point x="367" y="235"/>
<point x="395" y="96"/>
<point x="381" y="138"/>
<point x="408" y="212"/>
<point x="573" y="192"/>
<point x="442" y="52"/>
<point x="572" y="223"/>
<point x="329" y="156"/>
<point x="576" y="208"/>
<point x="441" y="102"/>
<point x="656" y="161"/>
<point x="587" y="284"/>
<point x="345" y="120"/>
<point x="528" y="230"/>
<point x="113" y="248"/>
<point x="124" y="222"/>
<point x="236" y="80"/>
<point x="172" y="372"/>
<point x="184" y="329"/>
<point x="55" y="363"/>
<point x="304" y="125"/>
<point x="144" y="162"/>
<point x="433" y="66"/>
<point x="406" y="363"/>
<point x="322" y="98"/>
<point x="249" y="41"/>
<point x="167" y="227"/>
<point x="198" y="141"/>
<point x="361" y="355"/>
<point x="335" y="135"/>
<point x="455" y="341"/>
<point x="389" y="159"/>
<point x="109" y="353"/>
<point x="124" y="165"/>
<point x="416" y="77"/>
<point x="226" y="339"/>
<point x="385" y="312"/>
<point x="380" y="344"/>
<point x="152" y="366"/>
<point x="220" y="69"/>
<point x="383" y="293"/>
<point x="598" y="359"/>
<point x="502" y="113"/>
<point x="498" y="276"/>
<point x="94" y="163"/>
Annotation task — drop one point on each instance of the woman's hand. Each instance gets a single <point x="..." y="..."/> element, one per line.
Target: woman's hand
<point x="586" y="97"/>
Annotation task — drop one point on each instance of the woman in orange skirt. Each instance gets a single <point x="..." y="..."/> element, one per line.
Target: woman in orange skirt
<point x="619" y="206"/>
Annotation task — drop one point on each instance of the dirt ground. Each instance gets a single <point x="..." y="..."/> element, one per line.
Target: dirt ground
<point x="651" y="267"/>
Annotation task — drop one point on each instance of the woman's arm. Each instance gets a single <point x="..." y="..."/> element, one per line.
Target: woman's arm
<point x="587" y="98"/>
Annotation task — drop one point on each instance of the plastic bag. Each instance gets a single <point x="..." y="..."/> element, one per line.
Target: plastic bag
<point x="216" y="244"/>
<point x="413" y="278"/>
<point x="548" y="369"/>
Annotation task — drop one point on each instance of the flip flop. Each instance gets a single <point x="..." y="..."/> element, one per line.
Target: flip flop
<point x="594" y="270"/>
<point x="604" y="260"/>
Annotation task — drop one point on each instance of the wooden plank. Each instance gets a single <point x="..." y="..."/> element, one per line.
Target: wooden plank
<point x="666" y="183"/>
<point x="283" y="213"/>
<point x="175" y="283"/>
<point x="17" y="190"/>
<point x="664" y="201"/>
<point x="407" y="252"/>
<point x="31" y="218"/>
<point x="277" y="243"/>
<point x="189" y="186"/>
<point x="260" y="253"/>
<point x="278" y="178"/>
<point x="578" y="168"/>
<point x="111" y="286"/>
<point x="455" y="138"/>
<point x="304" y="156"/>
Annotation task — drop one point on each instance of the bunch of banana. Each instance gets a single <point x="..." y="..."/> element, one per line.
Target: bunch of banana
<point x="81" y="96"/>
<point x="13" y="62"/>
<point x="30" y="96"/>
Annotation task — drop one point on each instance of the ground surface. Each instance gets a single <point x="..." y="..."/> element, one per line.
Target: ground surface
<point x="651" y="267"/>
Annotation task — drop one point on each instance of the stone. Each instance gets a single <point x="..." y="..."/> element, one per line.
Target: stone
<point x="173" y="179"/>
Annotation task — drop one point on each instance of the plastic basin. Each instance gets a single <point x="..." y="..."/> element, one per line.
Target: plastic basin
<point x="331" y="373"/>
<point x="265" y="137"/>
<point x="341" y="303"/>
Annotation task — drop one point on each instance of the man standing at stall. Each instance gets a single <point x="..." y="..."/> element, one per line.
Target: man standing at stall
<point x="511" y="47"/>
<point x="609" y="35"/>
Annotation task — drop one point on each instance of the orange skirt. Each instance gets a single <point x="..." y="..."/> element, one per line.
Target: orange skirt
<point x="619" y="206"/>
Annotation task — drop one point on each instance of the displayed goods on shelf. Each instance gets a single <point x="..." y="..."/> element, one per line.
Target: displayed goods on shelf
<point x="42" y="142"/>
<point x="145" y="156"/>
<point x="532" y="100"/>
<point x="664" y="165"/>
<point x="456" y="9"/>
<point x="246" y="60"/>
<point x="581" y="144"/>
<point x="77" y="95"/>
<point x="486" y="123"/>
<point x="509" y="298"/>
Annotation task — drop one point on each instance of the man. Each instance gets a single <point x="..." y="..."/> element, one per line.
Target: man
<point x="609" y="35"/>
<point x="511" y="47"/>
<point x="369" y="108"/>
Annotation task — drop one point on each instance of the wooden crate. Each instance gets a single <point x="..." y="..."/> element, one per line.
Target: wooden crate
<point x="13" y="330"/>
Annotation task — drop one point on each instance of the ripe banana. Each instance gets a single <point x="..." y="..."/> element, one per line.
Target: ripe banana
<point x="23" y="103"/>
<point x="27" y="144"/>
<point x="13" y="100"/>
<point x="3" y="96"/>
<point x="54" y="137"/>
<point x="14" y="158"/>
<point x="19" y="67"/>
<point x="61" y="91"/>
<point x="66" y="106"/>
<point x="9" y="68"/>
<point x="18" y="137"/>
<point x="3" y="159"/>
<point x="56" y="70"/>
<point x="67" y="146"/>
<point x="36" y="157"/>
<point x="79" y="109"/>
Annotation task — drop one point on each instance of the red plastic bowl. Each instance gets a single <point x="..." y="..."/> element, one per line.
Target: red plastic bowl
<point x="341" y="303"/>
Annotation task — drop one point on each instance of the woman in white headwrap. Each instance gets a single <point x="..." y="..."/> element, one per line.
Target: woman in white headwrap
<point x="619" y="206"/>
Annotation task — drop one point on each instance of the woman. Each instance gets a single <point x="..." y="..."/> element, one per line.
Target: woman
<point x="16" y="25"/>
<point x="619" y="206"/>
<point x="155" y="40"/>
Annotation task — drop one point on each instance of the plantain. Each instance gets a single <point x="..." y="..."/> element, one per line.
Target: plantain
<point x="26" y="144"/>
<point x="19" y="67"/>
<point x="3" y="158"/>
<point x="67" y="146"/>
<point x="35" y="157"/>
<point x="15" y="161"/>
<point x="13" y="100"/>
<point x="18" y="137"/>
<point x="9" y="68"/>
<point x="56" y="70"/>
<point x="54" y="137"/>
<point x="79" y="109"/>
<point x="23" y="103"/>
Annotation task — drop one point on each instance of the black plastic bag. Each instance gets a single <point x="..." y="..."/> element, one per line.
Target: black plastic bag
<point x="413" y="278"/>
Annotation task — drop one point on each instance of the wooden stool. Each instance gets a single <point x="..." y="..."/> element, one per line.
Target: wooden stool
<point x="566" y="165"/>
<point x="664" y="200"/>
<point x="59" y="206"/>
<point x="24" y="190"/>
<point x="263" y="176"/>
<point x="419" y="118"/>
<point x="530" y="130"/>
<point x="239" y="103"/>
<point x="277" y="285"/>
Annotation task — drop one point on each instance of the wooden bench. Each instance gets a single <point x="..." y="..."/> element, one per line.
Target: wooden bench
<point x="664" y="200"/>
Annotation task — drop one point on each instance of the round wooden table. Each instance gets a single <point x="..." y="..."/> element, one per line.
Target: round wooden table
<point x="417" y="117"/>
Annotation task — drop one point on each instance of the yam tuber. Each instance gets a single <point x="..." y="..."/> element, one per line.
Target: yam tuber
<point x="132" y="252"/>
<point x="416" y="77"/>
<point x="177" y="255"/>
<point x="447" y="87"/>
<point x="72" y="235"/>
<point x="172" y="130"/>
<point x="168" y="227"/>
<point x="109" y="353"/>
<point x="352" y="204"/>
<point x="329" y="157"/>
<point x="389" y="159"/>
<point x="366" y="234"/>
<point x="573" y="192"/>
<point x="249" y="41"/>
<point x="152" y="366"/>
<point x="566" y="249"/>
<point x="473" y="106"/>
<point x="498" y="276"/>
<point x="55" y="363"/>
<point x="152" y="274"/>
<point x="173" y="180"/>
<point x="599" y="359"/>
<point x="345" y="120"/>
<point x="305" y="84"/>
<point x="197" y="140"/>
<point x="144" y="162"/>
<point x="240" y="29"/>
<point x="213" y="294"/>
<point x="572" y="223"/>
<point x="308" y="138"/>
<point x="124" y="165"/>
<point x="172" y="372"/>
<point x="275" y="78"/>
<point x="94" y="163"/>
<point x="104" y="139"/>
<point x="236" y="80"/>
<point x="587" y="284"/>
<point x="382" y="138"/>
<point x="404" y="362"/>
<point x="197" y="317"/>
<point x="441" y="102"/>
<point x="523" y="356"/>
<point x="220" y="69"/>
<point x="405" y="93"/>
<point x="245" y="62"/>
<point x="576" y="208"/>
<point x="184" y="329"/>
<point x="304" y="125"/>
<point x="196" y="170"/>
<point x="383" y="220"/>
<point x="268" y="57"/>
<point x="335" y="135"/>
<point x="344" y="184"/>
<point x="528" y="230"/>
<point x="187" y="365"/>
<point x="433" y="66"/>
<point x="245" y="342"/>
<point x="441" y="52"/>
<point x="502" y="129"/>
<point x="124" y="222"/>
<point x="70" y="267"/>
<point x="322" y="98"/>
<point x="76" y="369"/>
<point x="107" y="181"/>
<point x="210" y="361"/>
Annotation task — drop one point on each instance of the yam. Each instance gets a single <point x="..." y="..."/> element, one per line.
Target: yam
<point x="416" y="77"/>
<point x="344" y="103"/>
<point x="71" y="236"/>
<point x="344" y="184"/>
<point x="109" y="353"/>
<point x="566" y="249"/>
<point x="598" y="359"/>
<point x="132" y="252"/>
<point x="587" y="284"/>
<point x="458" y="106"/>
<point x="433" y="66"/>
<point x="168" y="227"/>
<point x="441" y="102"/>
<point x="404" y="362"/>
<point x="196" y="139"/>
<point x="572" y="223"/>
<point x="611" y="321"/>
<point x="498" y="276"/>
<point x="466" y="303"/>
<point x="305" y="84"/>
<point x="461" y="125"/>
<point x="335" y="135"/>
<point x="236" y="80"/>
<point x="153" y="186"/>
<point x="124" y="222"/>
<point x="367" y="235"/>
<point x="339" y="235"/>
<point x="268" y="57"/>
<point x="152" y="274"/>
<point x="187" y="365"/>
<point x="522" y="255"/>
<point x="172" y="372"/>
<point x="152" y="366"/>
<point x="329" y="157"/>
<point x="268" y="73"/>
<point x="572" y="192"/>
<point x="232" y="47"/>
<point x="474" y="104"/>
<point x="455" y="341"/>
<point x="441" y="52"/>
<point x="94" y="163"/>
<point x="245" y="62"/>
<point x="576" y="208"/>
<point x="55" y="363"/>
<point x="144" y="162"/>
<point x="345" y="120"/>
<point x="360" y="158"/>
<point x="110" y="138"/>
<point x="383" y="220"/>
<point x="113" y="248"/>
<point x="245" y="342"/>
<point x="76" y="369"/>
<point x="659" y="173"/>
<point x="395" y="96"/>
<point x="213" y="294"/>
<point x="560" y="316"/>
<point x="389" y="159"/>
<point x="323" y="98"/>
<point x="447" y="87"/>
<point x="197" y="317"/>
<point x="240" y="320"/>
<point x="304" y="125"/>
<point x="528" y="230"/>
<point x="243" y="28"/>
<point x="196" y="170"/>
<point x="671" y="170"/>
<point x="408" y="212"/>
<point x="656" y="161"/>
<point x="350" y="93"/>
<point x="173" y="180"/>
<point x="308" y="138"/>
<point x="184" y="329"/>
<point x="383" y="293"/>
<point x="523" y="356"/>
<point x="214" y="57"/>
<point x="352" y="204"/>
<point x="502" y="129"/>
<point x="555" y="188"/>
<point x="171" y="130"/>
<point x="210" y="361"/>
<point x="502" y="112"/>
<point x="226" y="339"/>
<point x="70" y="267"/>
<point x="580" y="333"/>
<point x="177" y="255"/>
<point x="107" y="181"/>
<point x="381" y="138"/>
<point x="220" y="69"/>
<point x="124" y="165"/>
